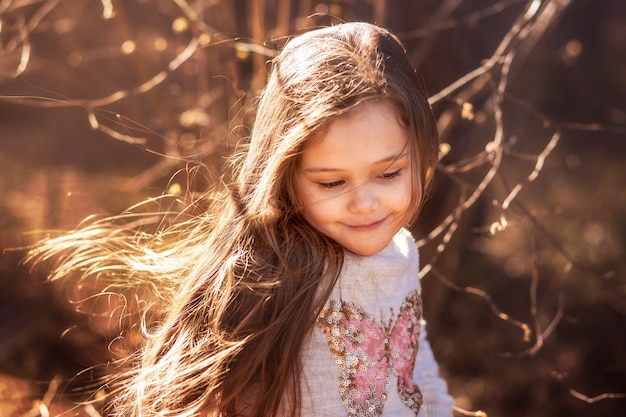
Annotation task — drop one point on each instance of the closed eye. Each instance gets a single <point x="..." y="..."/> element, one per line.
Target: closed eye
<point x="391" y="175"/>
<point x="330" y="185"/>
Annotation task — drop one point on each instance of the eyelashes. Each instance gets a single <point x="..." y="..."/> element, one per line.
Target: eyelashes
<point x="336" y="184"/>
<point x="331" y="185"/>
<point x="391" y="175"/>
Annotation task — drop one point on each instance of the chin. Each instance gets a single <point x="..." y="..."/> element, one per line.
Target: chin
<point x="367" y="250"/>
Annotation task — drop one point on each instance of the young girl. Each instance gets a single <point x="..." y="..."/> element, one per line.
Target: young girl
<point x="296" y="292"/>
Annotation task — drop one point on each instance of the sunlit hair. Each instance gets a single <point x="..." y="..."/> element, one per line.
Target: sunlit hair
<point x="228" y="297"/>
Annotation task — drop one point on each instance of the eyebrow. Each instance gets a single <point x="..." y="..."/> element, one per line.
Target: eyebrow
<point x="386" y="160"/>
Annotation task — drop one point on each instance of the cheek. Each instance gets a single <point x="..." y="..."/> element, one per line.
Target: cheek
<point x="316" y="208"/>
<point x="405" y="199"/>
<point x="308" y="203"/>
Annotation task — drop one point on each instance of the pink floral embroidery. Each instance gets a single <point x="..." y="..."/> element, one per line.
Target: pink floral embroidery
<point x="368" y="354"/>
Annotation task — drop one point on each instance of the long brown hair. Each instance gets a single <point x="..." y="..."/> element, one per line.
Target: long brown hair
<point x="229" y="296"/>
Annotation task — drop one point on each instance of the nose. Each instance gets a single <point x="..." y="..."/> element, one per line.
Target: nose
<point x="363" y="199"/>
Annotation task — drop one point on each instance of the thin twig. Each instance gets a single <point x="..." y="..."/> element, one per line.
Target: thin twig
<point x="485" y="296"/>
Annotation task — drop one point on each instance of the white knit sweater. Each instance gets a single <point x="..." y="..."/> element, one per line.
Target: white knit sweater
<point x="360" y="359"/>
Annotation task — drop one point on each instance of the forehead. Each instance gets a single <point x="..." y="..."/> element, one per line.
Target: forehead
<point x="371" y="132"/>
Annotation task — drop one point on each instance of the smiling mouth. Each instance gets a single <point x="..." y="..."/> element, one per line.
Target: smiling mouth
<point x="367" y="227"/>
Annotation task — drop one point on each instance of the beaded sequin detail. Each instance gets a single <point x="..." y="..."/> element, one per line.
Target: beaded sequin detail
<point x="369" y="355"/>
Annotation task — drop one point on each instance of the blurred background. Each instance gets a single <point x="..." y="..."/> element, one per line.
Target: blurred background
<point x="522" y="240"/>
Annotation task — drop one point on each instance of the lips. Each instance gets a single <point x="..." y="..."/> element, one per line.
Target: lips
<point x="366" y="226"/>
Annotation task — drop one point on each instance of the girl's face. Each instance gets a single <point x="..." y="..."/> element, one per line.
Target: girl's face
<point x="355" y="180"/>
